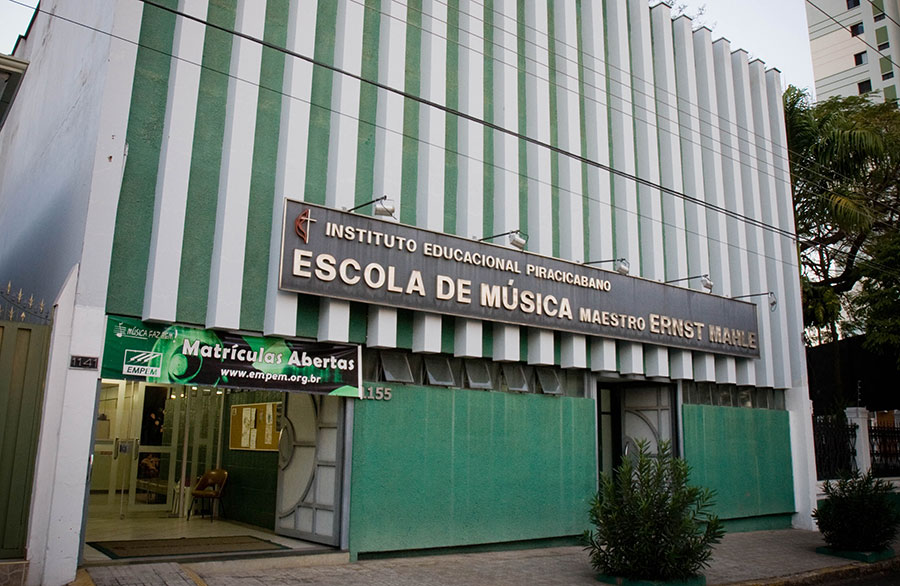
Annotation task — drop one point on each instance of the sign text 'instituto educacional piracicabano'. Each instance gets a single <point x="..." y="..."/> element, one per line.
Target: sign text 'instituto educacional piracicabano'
<point x="359" y="258"/>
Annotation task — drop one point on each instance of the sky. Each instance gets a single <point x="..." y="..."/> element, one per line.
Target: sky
<point x="771" y="30"/>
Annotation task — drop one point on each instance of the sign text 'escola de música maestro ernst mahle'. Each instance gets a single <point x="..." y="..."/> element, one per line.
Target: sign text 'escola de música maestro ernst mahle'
<point x="347" y="256"/>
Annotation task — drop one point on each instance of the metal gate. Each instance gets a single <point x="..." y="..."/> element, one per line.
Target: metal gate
<point x="23" y="363"/>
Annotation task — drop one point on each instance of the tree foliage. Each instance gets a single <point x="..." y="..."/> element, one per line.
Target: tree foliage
<point x="845" y="169"/>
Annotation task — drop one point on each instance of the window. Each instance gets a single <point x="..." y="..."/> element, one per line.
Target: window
<point x="549" y="381"/>
<point x="852" y="4"/>
<point x="861" y="58"/>
<point x="890" y="93"/>
<point x="856" y="29"/>
<point x="879" y="17"/>
<point x="884" y="46"/>
<point x="887" y="76"/>
<point x="478" y="375"/>
<point x="439" y="371"/>
<point x="517" y="377"/>
<point x="396" y="368"/>
<point x="864" y="87"/>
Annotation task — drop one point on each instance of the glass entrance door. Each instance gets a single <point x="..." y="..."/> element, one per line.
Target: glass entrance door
<point x="135" y="448"/>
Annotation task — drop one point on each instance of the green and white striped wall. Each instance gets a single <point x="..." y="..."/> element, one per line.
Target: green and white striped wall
<point x="222" y="128"/>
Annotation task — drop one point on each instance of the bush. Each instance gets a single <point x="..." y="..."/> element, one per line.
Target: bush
<point x="858" y="514"/>
<point x="650" y="525"/>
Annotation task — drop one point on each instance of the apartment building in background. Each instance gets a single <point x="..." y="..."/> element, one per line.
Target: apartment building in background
<point x="855" y="47"/>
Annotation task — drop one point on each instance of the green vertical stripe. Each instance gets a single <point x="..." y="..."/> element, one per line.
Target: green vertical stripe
<point x="319" y="127"/>
<point x="206" y="160"/>
<point x="585" y="190"/>
<point x="308" y="316"/>
<point x="555" y="193"/>
<point x="488" y="182"/>
<point x="404" y="329"/>
<point x="320" y="104"/>
<point x="133" y="229"/>
<point x="359" y="323"/>
<point x="451" y="139"/>
<point x="523" y="117"/>
<point x="368" y="106"/>
<point x="262" y="181"/>
<point x="410" y="163"/>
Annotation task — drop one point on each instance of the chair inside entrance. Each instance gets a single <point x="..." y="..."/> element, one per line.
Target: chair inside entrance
<point x="209" y="489"/>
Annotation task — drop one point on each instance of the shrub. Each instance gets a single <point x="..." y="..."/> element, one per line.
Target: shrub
<point x="650" y="525"/>
<point x="858" y="514"/>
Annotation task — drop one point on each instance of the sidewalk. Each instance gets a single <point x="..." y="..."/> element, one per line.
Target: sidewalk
<point x="762" y="557"/>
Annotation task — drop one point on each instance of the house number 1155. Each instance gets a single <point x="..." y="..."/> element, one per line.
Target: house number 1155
<point x="377" y="393"/>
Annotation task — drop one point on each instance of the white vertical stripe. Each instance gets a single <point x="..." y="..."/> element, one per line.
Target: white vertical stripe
<point x="621" y="129"/>
<point x="161" y="290"/>
<point x="752" y="208"/>
<point x="387" y="174"/>
<point x="344" y="140"/>
<point x="714" y="189"/>
<point x="791" y="301"/>
<point x="768" y="196"/>
<point x="680" y="361"/>
<point x="431" y="162"/>
<point x="470" y="163"/>
<point x="656" y="361"/>
<point x="537" y="123"/>
<point x="342" y="146"/>
<point x="573" y="351"/>
<point x="692" y="166"/>
<point x="290" y="169"/>
<point x="596" y="129"/>
<point x="226" y="275"/>
<point x="506" y="151"/>
<point x="738" y="262"/>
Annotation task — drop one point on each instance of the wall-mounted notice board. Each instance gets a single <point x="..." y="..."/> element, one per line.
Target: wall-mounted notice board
<point x="254" y="426"/>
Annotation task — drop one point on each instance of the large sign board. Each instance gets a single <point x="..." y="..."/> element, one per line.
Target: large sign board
<point x="359" y="258"/>
<point x="176" y="354"/>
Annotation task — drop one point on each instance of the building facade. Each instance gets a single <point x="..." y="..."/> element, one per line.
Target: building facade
<point x="854" y="46"/>
<point x="193" y="183"/>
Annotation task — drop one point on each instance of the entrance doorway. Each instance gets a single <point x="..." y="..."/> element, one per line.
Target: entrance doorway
<point x="148" y="439"/>
<point x="153" y="441"/>
<point x="632" y="412"/>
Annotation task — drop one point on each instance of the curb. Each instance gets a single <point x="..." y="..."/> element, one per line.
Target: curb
<point x="826" y="575"/>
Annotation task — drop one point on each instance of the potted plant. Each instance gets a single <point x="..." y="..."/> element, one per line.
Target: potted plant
<point x="650" y="526"/>
<point x="858" y="518"/>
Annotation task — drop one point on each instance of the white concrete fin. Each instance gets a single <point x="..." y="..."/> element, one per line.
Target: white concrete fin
<point x="227" y="271"/>
<point x="173" y="175"/>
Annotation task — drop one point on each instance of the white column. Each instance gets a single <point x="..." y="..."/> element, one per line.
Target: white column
<point x="343" y="144"/>
<point x="738" y="261"/>
<point x="227" y="271"/>
<point x="680" y="361"/>
<point x="537" y="123"/>
<point x="506" y="152"/>
<point x="468" y="335"/>
<point x="692" y="168"/>
<point x="387" y="174"/>
<point x="432" y="134"/>
<point x="768" y="196"/>
<point x="161" y="289"/>
<point x="290" y="169"/>
<point x="756" y="257"/>
<point x="596" y="129"/>
<point x="621" y="129"/>
<point x="713" y="187"/>
<point x="646" y="138"/>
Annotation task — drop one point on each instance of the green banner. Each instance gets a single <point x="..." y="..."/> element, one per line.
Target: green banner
<point x="182" y="355"/>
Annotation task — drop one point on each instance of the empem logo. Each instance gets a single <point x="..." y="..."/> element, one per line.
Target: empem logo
<point x="142" y="363"/>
